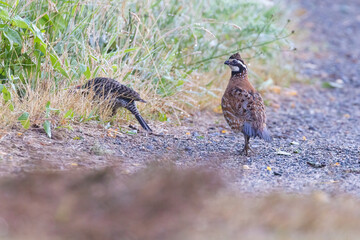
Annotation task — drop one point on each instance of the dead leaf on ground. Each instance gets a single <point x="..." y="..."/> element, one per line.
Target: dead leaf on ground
<point x="279" y="152"/>
<point x="332" y="85"/>
<point x="275" y="105"/>
<point x="275" y="89"/>
<point x="300" y="12"/>
<point x="218" y="109"/>
<point x="291" y="93"/>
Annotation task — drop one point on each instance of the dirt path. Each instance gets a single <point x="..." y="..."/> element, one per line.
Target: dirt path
<point x="319" y="127"/>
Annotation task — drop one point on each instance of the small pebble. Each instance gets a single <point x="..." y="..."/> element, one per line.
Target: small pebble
<point x="246" y="167"/>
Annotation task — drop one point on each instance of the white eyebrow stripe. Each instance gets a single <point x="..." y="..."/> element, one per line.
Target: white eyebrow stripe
<point x="240" y="63"/>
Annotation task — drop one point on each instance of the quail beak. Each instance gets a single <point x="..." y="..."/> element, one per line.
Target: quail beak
<point x="227" y="62"/>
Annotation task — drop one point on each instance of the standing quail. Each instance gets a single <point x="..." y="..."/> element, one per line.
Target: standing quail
<point x="118" y="95"/>
<point x="242" y="105"/>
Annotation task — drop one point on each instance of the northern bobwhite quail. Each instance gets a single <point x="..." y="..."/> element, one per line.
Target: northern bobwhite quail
<point x="242" y="105"/>
<point x="118" y="95"/>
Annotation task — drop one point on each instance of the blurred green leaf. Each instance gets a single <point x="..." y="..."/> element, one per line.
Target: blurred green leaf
<point x="38" y="35"/>
<point x="6" y="94"/>
<point x="69" y="114"/>
<point x="12" y="36"/>
<point x="162" y="117"/>
<point x="4" y="14"/>
<point x="55" y="62"/>
<point x="82" y="68"/>
<point x="25" y="120"/>
<point x="11" y="107"/>
<point x="24" y="116"/>
<point x="19" y="22"/>
<point x="132" y="132"/>
<point x="87" y="73"/>
<point x="47" y="128"/>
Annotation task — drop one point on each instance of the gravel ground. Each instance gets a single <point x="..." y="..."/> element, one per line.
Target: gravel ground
<point x="317" y="128"/>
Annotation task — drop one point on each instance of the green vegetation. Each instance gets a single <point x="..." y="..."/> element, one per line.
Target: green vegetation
<point x="167" y="50"/>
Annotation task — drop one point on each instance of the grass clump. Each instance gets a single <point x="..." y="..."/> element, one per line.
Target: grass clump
<point x="170" y="51"/>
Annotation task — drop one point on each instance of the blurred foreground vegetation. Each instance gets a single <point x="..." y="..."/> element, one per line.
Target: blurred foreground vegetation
<point x="164" y="203"/>
<point x="171" y="51"/>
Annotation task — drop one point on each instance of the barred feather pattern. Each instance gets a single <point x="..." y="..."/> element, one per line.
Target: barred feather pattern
<point x="118" y="95"/>
<point x="107" y="87"/>
<point x="244" y="111"/>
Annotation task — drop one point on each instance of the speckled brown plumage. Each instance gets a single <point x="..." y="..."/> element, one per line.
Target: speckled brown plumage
<point x="242" y="105"/>
<point x="118" y="95"/>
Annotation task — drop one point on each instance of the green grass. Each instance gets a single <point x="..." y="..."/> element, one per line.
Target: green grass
<point x="170" y="51"/>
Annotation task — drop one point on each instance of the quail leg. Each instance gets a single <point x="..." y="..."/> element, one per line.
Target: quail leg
<point x="247" y="146"/>
<point x="115" y="106"/>
<point x="113" y="113"/>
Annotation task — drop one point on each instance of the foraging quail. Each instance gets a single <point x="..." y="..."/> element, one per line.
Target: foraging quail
<point x="242" y="105"/>
<point x="118" y="95"/>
